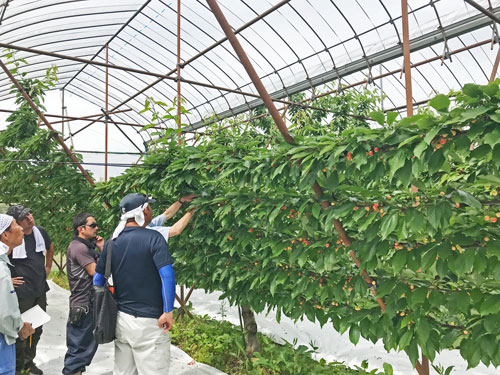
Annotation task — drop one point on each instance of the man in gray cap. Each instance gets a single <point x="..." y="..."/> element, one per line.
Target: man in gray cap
<point x="144" y="285"/>
<point x="11" y="323"/>
<point x="31" y="263"/>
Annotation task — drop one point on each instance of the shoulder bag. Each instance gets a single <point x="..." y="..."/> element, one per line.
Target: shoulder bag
<point x="105" y="306"/>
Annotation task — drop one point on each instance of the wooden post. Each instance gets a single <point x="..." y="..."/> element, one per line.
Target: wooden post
<point x="106" y="99"/>
<point x="495" y="67"/>
<point x="406" y="54"/>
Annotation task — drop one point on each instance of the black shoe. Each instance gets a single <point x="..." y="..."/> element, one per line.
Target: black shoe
<point x="33" y="370"/>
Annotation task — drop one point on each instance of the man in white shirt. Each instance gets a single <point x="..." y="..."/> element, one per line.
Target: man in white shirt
<point x="176" y="229"/>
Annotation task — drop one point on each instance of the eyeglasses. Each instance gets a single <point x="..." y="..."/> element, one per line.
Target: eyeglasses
<point x="93" y="225"/>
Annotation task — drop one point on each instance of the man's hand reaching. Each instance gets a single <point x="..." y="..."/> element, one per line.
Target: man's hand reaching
<point x="187" y="198"/>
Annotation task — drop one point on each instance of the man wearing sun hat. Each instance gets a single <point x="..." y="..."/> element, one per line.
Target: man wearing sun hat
<point x="31" y="264"/>
<point x="11" y="323"/>
<point x="144" y="285"/>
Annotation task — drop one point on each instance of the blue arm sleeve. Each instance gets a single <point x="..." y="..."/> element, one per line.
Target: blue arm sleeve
<point x="158" y="221"/>
<point x="99" y="279"/>
<point x="167" y="287"/>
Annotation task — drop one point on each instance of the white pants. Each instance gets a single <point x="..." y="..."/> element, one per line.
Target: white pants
<point x="140" y="347"/>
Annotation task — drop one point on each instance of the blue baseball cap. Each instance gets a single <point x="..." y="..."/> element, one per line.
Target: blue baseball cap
<point x="134" y="200"/>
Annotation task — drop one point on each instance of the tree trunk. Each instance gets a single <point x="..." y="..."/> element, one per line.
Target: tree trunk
<point x="253" y="343"/>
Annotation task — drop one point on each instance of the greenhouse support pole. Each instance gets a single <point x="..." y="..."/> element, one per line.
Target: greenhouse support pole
<point x="62" y="111"/>
<point x="47" y="123"/>
<point x="250" y="70"/>
<point x="422" y="368"/>
<point x="495" y="67"/>
<point x="179" y="66"/>
<point x="282" y="128"/>
<point x="88" y="117"/>
<point x="67" y="118"/>
<point x="406" y="54"/>
<point x="106" y="108"/>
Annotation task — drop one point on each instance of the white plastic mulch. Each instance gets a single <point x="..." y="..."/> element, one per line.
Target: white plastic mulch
<point x="332" y="346"/>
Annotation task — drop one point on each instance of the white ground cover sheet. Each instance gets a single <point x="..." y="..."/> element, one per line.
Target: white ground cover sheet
<point x="332" y="346"/>
<point x="52" y="345"/>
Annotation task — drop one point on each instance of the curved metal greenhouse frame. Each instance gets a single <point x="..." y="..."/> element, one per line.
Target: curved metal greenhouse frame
<point x="294" y="45"/>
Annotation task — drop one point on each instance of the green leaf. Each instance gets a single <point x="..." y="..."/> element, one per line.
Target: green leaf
<point x="342" y="210"/>
<point x="436" y="161"/>
<point x="397" y="161"/>
<point x="378" y="116"/>
<point x="316" y="210"/>
<point x="399" y="260"/>
<point x="472" y="90"/>
<point x="388" y="369"/>
<point x="408" y="140"/>
<point x="423" y="330"/>
<point x="493" y="138"/>
<point x="332" y="182"/>
<point x="418" y="296"/>
<point x="496" y="156"/>
<point x="385" y="287"/>
<point x="430" y="135"/>
<point x="480" y="152"/>
<point x="420" y="148"/>
<point x="405" y="340"/>
<point x="490" y="89"/>
<point x="474" y="113"/>
<point x="440" y="103"/>
<point x="469" y="199"/>
<point x="463" y="301"/>
<point x="354" y="334"/>
<point x="404" y="174"/>
<point x="391" y="116"/>
<point x="389" y="223"/>
<point x="491" y="305"/>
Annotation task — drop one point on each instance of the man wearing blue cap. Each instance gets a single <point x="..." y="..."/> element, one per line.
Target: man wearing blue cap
<point x="144" y="285"/>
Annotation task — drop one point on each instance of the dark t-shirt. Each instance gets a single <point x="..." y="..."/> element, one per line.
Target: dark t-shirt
<point x="137" y="255"/>
<point x="31" y="268"/>
<point x="81" y="253"/>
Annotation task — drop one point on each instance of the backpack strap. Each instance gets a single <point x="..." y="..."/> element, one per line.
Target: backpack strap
<point x="107" y="272"/>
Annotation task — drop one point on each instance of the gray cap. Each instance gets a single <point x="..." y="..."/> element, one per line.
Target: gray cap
<point x="134" y="200"/>
<point x="18" y="211"/>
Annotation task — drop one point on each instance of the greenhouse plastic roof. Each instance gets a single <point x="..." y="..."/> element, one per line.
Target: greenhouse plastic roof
<point x="300" y="45"/>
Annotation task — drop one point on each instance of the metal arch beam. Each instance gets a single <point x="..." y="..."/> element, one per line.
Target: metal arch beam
<point x="201" y="53"/>
<point x="424" y="41"/>
<point x="3" y="11"/>
<point x="483" y="10"/>
<point x="111" y="39"/>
